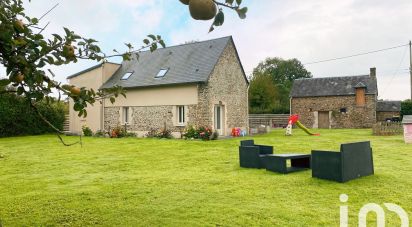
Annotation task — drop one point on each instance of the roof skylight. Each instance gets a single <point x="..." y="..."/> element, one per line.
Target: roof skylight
<point x="161" y="73"/>
<point x="126" y="75"/>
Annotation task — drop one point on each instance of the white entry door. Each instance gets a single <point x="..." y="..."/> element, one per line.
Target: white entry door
<point x="219" y="117"/>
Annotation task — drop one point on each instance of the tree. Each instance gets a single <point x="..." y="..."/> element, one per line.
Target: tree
<point x="262" y="94"/>
<point x="282" y="73"/>
<point x="25" y="53"/>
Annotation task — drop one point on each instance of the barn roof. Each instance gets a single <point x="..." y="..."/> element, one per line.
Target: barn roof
<point x="388" y="106"/>
<point x="333" y="86"/>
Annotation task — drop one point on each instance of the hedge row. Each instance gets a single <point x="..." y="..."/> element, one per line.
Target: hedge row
<point x="406" y="108"/>
<point x="18" y="118"/>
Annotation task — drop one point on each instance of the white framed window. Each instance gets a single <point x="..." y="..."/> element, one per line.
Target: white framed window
<point x="126" y="115"/>
<point x="126" y="75"/>
<point x="161" y="73"/>
<point x="181" y="120"/>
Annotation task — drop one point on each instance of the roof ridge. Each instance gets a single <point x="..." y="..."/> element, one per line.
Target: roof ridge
<point x="329" y="77"/>
<point x="192" y="43"/>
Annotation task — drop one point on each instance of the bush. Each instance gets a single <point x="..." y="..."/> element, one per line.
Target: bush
<point x="87" y="131"/>
<point x="190" y="132"/>
<point x="203" y="133"/>
<point x="18" y="118"/>
<point x="99" y="133"/>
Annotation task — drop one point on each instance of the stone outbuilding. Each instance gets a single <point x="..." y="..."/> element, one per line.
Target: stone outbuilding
<point x="336" y="102"/>
<point x="199" y="84"/>
<point x="388" y="111"/>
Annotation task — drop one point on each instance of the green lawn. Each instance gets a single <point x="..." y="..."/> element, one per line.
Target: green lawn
<point x="151" y="182"/>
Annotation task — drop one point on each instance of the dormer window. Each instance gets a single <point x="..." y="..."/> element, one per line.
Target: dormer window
<point x="126" y="76"/>
<point x="161" y="73"/>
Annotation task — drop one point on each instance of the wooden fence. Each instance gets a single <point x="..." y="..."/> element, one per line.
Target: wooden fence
<point x="387" y="128"/>
<point x="272" y="120"/>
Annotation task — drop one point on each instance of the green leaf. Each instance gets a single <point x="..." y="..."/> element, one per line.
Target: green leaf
<point x="34" y="20"/>
<point x="4" y="82"/>
<point x="230" y="2"/>
<point x="219" y="18"/>
<point x="77" y="106"/>
<point x="146" y="41"/>
<point x="211" y="29"/>
<point x="239" y="2"/>
<point x="57" y="37"/>
<point x="242" y="12"/>
<point x="162" y="43"/>
<point x="112" y="100"/>
<point x="20" y="90"/>
<point x="152" y="37"/>
<point x="67" y="31"/>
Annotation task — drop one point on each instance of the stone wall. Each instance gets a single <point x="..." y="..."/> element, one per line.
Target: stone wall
<point x="111" y="117"/>
<point x="355" y="116"/>
<point x="146" y="118"/>
<point x="227" y="86"/>
<point x="381" y="116"/>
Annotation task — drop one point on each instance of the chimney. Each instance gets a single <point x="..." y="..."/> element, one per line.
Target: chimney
<point x="373" y="72"/>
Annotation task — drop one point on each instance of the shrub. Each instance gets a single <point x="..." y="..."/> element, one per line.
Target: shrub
<point x="99" y="133"/>
<point x="406" y="108"/>
<point x="203" y="133"/>
<point x="190" y="132"/>
<point x="18" y="118"/>
<point x="87" y="131"/>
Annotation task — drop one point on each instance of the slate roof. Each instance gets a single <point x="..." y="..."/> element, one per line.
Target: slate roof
<point x="333" y="86"/>
<point x="187" y="63"/>
<point x="388" y="106"/>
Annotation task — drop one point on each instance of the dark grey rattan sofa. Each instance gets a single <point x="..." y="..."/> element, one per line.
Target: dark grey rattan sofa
<point x="250" y="154"/>
<point x="353" y="161"/>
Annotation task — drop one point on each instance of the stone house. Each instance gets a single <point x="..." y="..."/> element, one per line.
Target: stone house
<point x="336" y="102"/>
<point x="199" y="84"/>
<point x="386" y="110"/>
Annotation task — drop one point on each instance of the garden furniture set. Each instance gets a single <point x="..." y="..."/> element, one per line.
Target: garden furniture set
<point x="353" y="161"/>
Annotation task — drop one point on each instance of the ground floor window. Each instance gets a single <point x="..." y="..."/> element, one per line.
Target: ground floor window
<point x="126" y="115"/>
<point x="181" y="115"/>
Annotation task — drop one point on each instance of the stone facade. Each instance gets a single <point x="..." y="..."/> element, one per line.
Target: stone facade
<point x="382" y="116"/>
<point x="227" y="86"/>
<point x="343" y="111"/>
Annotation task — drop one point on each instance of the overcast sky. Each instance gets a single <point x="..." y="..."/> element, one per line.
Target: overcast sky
<point x="306" y="30"/>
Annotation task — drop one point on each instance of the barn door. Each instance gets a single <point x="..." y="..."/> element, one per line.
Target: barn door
<point x="323" y="119"/>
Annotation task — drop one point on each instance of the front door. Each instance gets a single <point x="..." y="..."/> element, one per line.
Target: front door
<point x="219" y="116"/>
<point x="323" y="119"/>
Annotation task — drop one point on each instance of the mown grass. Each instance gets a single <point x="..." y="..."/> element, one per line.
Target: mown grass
<point x="151" y="182"/>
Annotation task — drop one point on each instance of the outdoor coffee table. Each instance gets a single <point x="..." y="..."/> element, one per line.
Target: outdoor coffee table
<point x="278" y="162"/>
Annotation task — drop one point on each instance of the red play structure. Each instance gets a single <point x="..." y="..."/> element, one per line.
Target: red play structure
<point x="294" y="119"/>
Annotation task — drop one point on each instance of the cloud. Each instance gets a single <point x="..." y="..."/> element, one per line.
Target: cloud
<point x="322" y="29"/>
<point x="306" y="30"/>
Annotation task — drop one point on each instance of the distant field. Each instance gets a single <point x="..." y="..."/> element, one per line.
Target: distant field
<point x="151" y="182"/>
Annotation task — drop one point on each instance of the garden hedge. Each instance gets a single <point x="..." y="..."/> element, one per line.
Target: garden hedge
<point x="18" y="118"/>
<point x="406" y="107"/>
